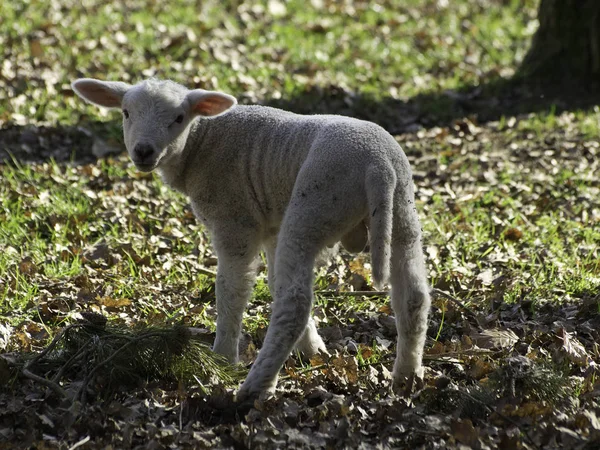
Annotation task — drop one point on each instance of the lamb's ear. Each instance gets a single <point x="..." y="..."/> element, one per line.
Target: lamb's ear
<point x="208" y="103"/>
<point x="104" y="93"/>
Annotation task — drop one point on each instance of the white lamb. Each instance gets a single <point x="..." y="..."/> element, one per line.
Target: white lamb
<point x="259" y="177"/>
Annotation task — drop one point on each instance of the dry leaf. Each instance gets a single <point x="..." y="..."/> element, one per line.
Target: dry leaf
<point x="528" y="409"/>
<point x="513" y="234"/>
<point x="436" y="349"/>
<point x="479" y="368"/>
<point x="464" y="432"/>
<point x="27" y="266"/>
<point x="35" y="46"/>
<point x="115" y="303"/>
<point x="587" y="419"/>
<point x="495" y="339"/>
<point x="574" y="349"/>
<point x="346" y="367"/>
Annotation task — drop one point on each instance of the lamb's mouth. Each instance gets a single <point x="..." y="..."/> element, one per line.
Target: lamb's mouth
<point x="149" y="166"/>
<point x="142" y="167"/>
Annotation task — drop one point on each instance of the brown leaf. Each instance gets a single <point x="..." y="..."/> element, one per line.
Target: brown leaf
<point x="386" y="309"/>
<point x="436" y="349"/>
<point x="480" y="368"/>
<point x="114" y="303"/>
<point x="587" y="419"/>
<point x="35" y="46"/>
<point x="82" y="281"/>
<point x="495" y="339"/>
<point x="574" y="349"/>
<point x="346" y="367"/>
<point x="464" y="432"/>
<point x="27" y="266"/>
<point x="360" y="272"/>
<point x="100" y="251"/>
<point x="365" y="351"/>
<point x="528" y="409"/>
<point x="510" y="439"/>
<point x="513" y="234"/>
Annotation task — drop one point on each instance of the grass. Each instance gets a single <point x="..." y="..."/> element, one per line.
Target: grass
<point x="523" y="220"/>
<point x="486" y="218"/>
<point x="510" y="207"/>
<point x="397" y="49"/>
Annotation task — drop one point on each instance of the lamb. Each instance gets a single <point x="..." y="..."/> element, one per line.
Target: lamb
<point x="289" y="184"/>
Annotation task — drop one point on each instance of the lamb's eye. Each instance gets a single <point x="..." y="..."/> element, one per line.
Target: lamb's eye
<point x="126" y="114"/>
<point x="179" y="118"/>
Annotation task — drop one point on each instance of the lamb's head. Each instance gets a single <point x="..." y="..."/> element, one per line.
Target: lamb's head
<point x="156" y="114"/>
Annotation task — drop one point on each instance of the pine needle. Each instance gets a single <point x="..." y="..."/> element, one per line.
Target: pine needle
<point x="102" y="358"/>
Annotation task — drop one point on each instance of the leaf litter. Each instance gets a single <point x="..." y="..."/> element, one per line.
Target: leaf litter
<point x="498" y="372"/>
<point x="510" y="212"/>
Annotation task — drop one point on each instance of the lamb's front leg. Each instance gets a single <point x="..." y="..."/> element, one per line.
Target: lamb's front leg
<point x="235" y="278"/>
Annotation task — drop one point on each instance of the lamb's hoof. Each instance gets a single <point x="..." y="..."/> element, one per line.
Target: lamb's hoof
<point x="406" y="385"/>
<point x="244" y="405"/>
<point x="249" y="392"/>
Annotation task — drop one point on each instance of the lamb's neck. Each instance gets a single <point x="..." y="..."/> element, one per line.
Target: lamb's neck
<point x="174" y="171"/>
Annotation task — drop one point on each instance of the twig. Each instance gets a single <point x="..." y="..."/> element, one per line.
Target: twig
<point x="458" y="303"/>
<point x="78" y="444"/>
<point x="305" y="370"/>
<point x="26" y="371"/>
<point x="205" y="271"/>
<point x="64" y="367"/>
<point x="48" y="383"/>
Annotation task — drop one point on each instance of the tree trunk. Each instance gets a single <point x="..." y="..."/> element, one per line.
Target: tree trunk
<point x="566" y="48"/>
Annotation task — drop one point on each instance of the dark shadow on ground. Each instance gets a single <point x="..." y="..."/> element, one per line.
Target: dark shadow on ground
<point x="484" y="103"/>
<point x="82" y="144"/>
<point x="90" y="140"/>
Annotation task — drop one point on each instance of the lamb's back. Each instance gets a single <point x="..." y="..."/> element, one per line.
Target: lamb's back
<point x="252" y="155"/>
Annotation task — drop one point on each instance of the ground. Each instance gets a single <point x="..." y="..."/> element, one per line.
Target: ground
<point x="507" y="188"/>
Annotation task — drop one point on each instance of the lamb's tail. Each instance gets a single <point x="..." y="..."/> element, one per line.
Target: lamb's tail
<point x="380" y="185"/>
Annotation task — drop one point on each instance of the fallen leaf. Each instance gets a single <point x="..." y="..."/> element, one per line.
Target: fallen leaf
<point x="586" y="419"/>
<point x="486" y="277"/>
<point x="513" y="234"/>
<point x="27" y="266"/>
<point x="479" y="368"/>
<point x="495" y="339"/>
<point x="574" y="349"/>
<point x="528" y="409"/>
<point x="464" y="432"/>
<point x="35" y="46"/>
<point x="114" y="303"/>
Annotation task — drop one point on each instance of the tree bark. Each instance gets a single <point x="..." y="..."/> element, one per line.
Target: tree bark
<point x="566" y="47"/>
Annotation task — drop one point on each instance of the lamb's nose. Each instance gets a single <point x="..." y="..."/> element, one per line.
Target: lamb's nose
<point x="143" y="151"/>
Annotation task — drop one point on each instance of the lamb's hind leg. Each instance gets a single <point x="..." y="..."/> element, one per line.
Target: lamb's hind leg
<point x="410" y="302"/>
<point x="316" y="216"/>
<point x="310" y="342"/>
<point x="289" y="318"/>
